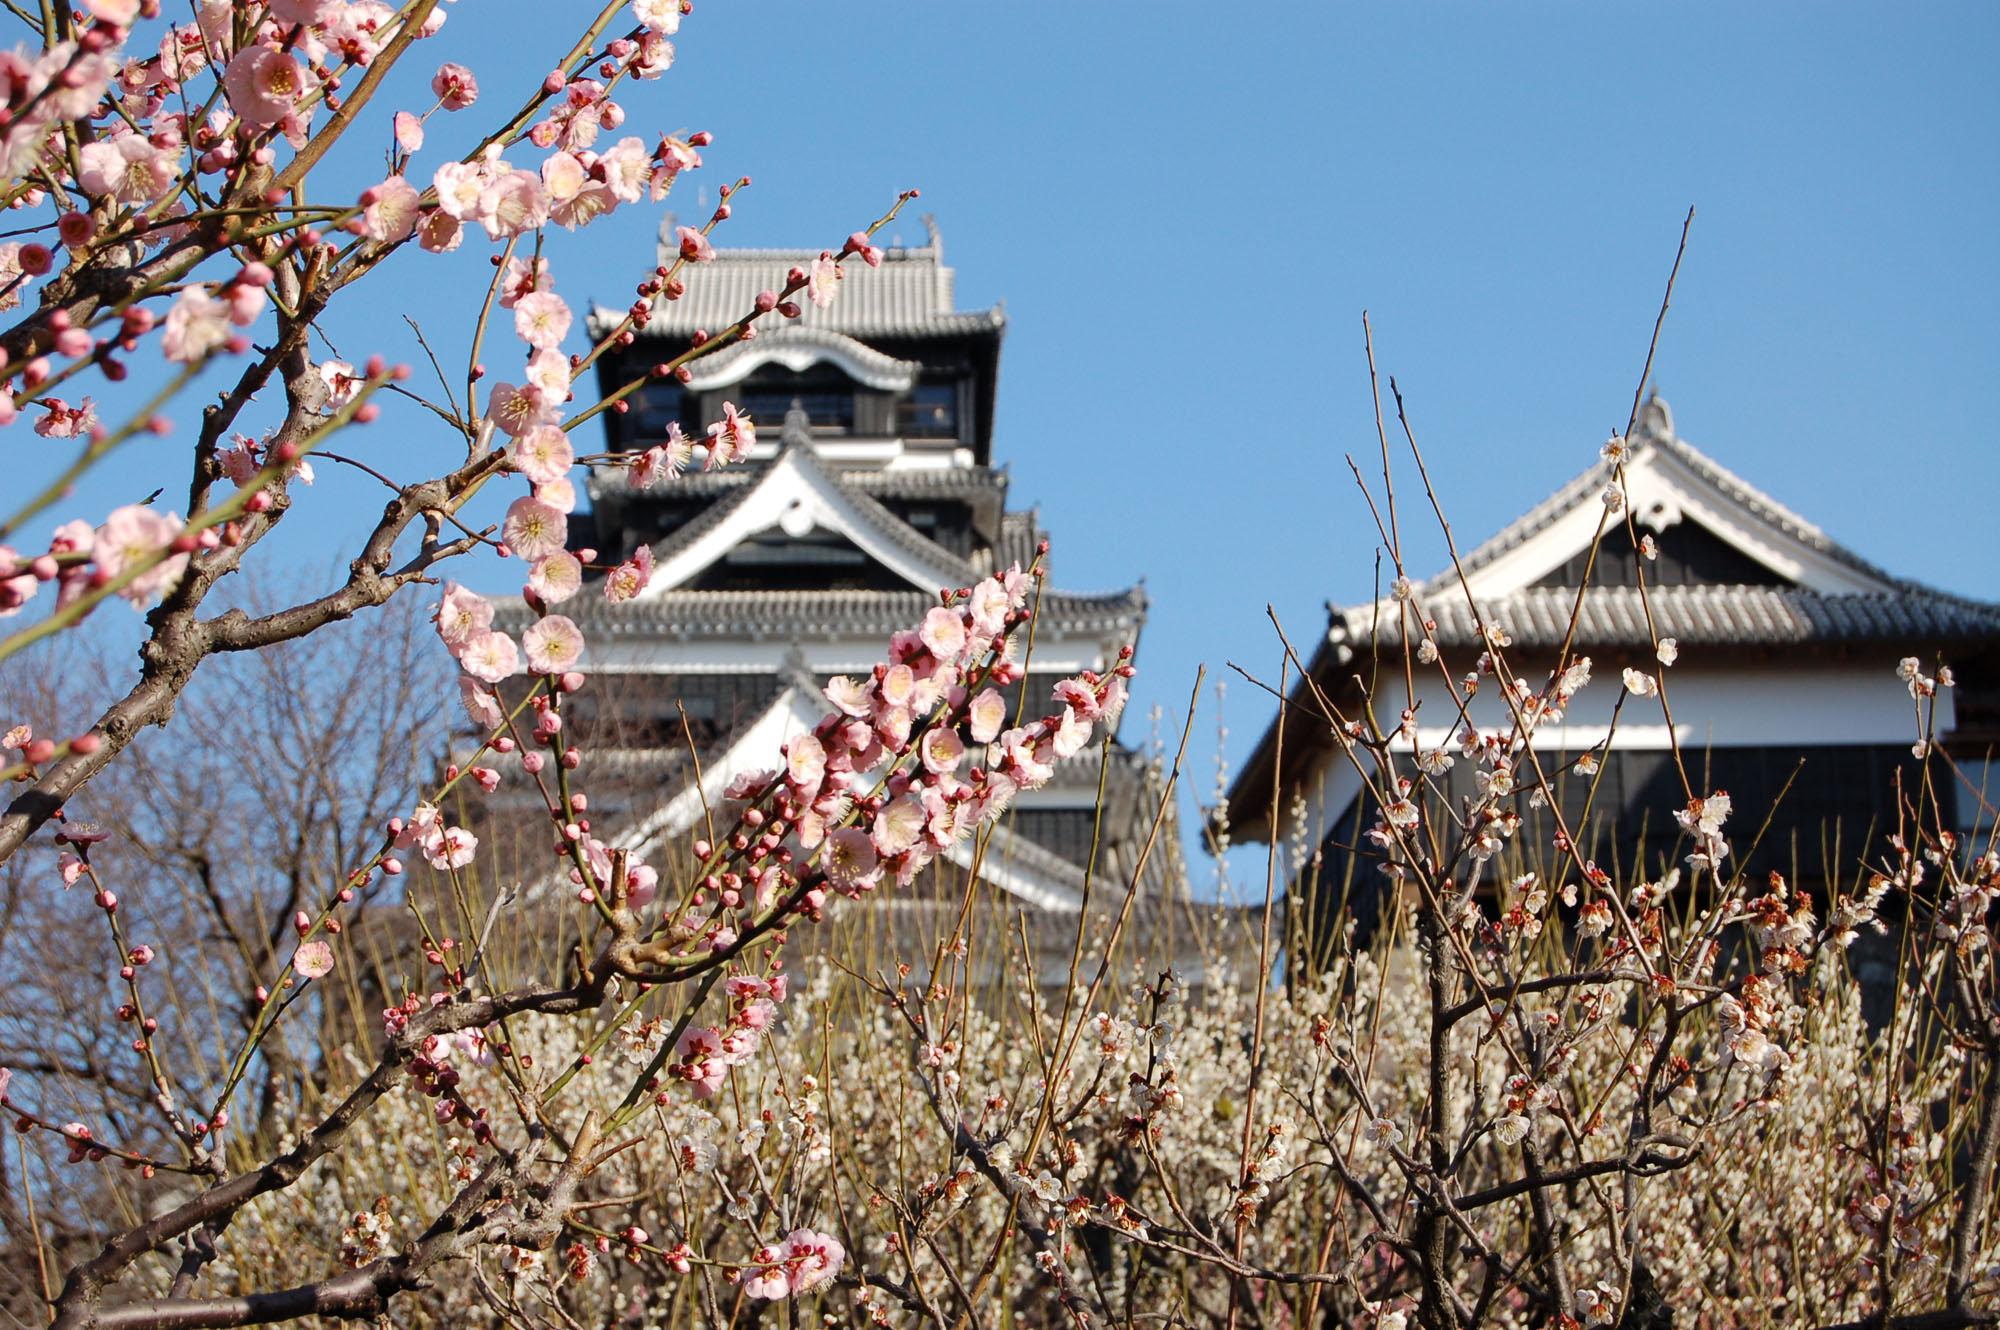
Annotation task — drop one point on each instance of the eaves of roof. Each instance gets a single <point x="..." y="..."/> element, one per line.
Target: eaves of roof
<point x="1736" y="616"/>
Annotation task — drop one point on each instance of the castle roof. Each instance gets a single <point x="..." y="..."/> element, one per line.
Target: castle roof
<point x="912" y="294"/>
<point x="793" y="615"/>
<point x="1795" y="587"/>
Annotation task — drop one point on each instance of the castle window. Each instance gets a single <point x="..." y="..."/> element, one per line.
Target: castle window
<point x="826" y="394"/>
<point x="830" y="411"/>
<point x="930" y="412"/>
<point x="655" y="406"/>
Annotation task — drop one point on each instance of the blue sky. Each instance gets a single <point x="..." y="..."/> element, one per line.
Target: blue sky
<point x="1187" y="207"/>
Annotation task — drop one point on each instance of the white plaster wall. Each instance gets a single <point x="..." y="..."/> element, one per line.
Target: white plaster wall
<point x="1720" y="707"/>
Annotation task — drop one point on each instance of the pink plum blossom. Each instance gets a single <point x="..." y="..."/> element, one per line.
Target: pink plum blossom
<point x="767" y="1281"/>
<point x="821" y="279"/>
<point x="342" y="383"/>
<point x="654" y="56"/>
<point x="663" y="460"/>
<point x="849" y="697"/>
<point x="452" y="847"/>
<point x="544" y="454"/>
<point x="309" y="12"/>
<point x="559" y="494"/>
<point x="694" y="246"/>
<point x="988" y="607"/>
<point x="490" y="656"/>
<point x="731" y="438"/>
<point x="942" y="750"/>
<point x="533" y="529"/>
<point x="459" y="185"/>
<point x="126" y="169"/>
<point x="541" y="320"/>
<point x="748" y="784"/>
<point x="626" y="168"/>
<point x="390" y="210"/>
<point x="130" y="536"/>
<point x="1079" y="697"/>
<point x="556" y="578"/>
<point x="518" y="410"/>
<point x="313" y="960"/>
<point x="701" y="1062"/>
<point x="629" y="578"/>
<point x="197" y="324"/>
<point x="17" y="584"/>
<point x="264" y="85"/>
<point x="482" y="707"/>
<point x="440" y="232"/>
<point x="522" y="276"/>
<point x="849" y="861"/>
<point x="553" y="644"/>
<point x="661" y="16"/>
<point x="805" y="762"/>
<point x="455" y="86"/>
<point x="549" y="370"/>
<point x="1072" y="733"/>
<point x="513" y="203"/>
<point x="987" y="715"/>
<point x="674" y="157"/>
<point x="812" y="1258"/>
<point x="576" y="199"/>
<point x="462" y="615"/>
<point x="409" y="130"/>
<point x="64" y="421"/>
<point x="943" y="632"/>
<point x="899" y="825"/>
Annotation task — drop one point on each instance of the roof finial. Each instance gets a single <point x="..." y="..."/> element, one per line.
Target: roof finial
<point x="1656" y="419"/>
<point x="937" y="241"/>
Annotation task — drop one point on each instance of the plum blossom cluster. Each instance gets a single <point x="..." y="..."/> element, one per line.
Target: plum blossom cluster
<point x="140" y="549"/>
<point x="704" y="1054"/>
<point x="798" y="1263"/>
<point x="933" y="719"/>
<point x="131" y="197"/>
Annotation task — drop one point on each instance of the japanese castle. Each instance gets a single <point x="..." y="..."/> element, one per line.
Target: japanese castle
<point x="872" y="485"/>
<point x="1787" y="675"/>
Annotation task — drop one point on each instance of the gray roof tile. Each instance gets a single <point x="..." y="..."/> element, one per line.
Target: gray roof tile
<point x="806" y="615"/>
<point x="910" y="295"/>
<point x="1538" y="617"/>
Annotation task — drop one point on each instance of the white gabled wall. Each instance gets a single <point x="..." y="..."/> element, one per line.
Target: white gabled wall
<point x="799" y="497"/>
<point x="1723" y="707"/>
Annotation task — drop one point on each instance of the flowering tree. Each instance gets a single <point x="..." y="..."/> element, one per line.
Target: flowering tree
<point x="174" y="166"/>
